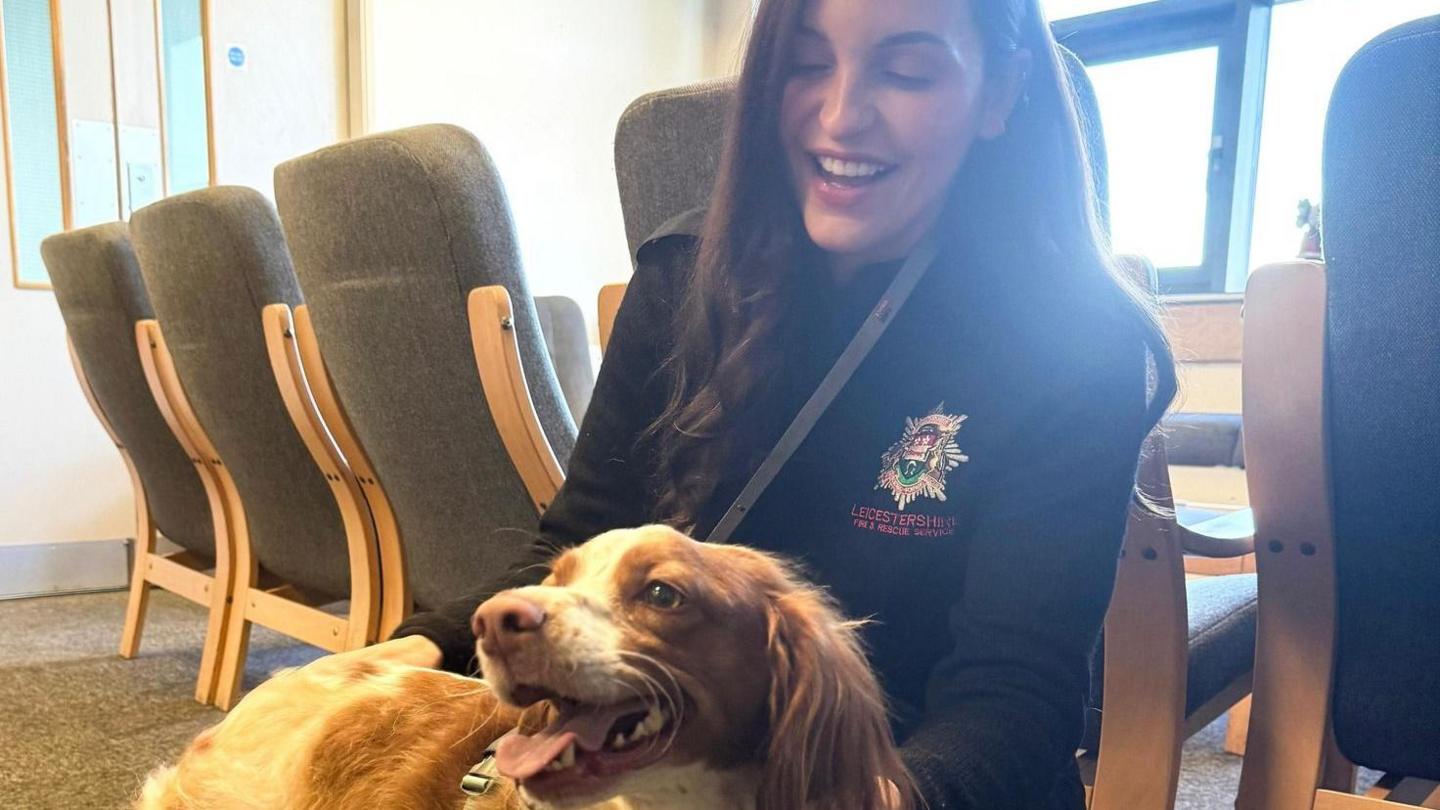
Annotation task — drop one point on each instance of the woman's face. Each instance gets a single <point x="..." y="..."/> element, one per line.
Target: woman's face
<point x="882" y="103"/>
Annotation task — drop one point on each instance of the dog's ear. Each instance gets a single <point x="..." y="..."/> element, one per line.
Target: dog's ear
<point x="829" y="742"/>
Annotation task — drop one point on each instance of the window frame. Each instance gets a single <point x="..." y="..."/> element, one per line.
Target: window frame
<point x="62" y="143"/>
<point x="1240" y="31"/>
<point x="67" y="203"/>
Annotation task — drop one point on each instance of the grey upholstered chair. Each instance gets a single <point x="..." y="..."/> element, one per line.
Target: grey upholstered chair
<point x="215" y="264"/>
<point x="667" y="153"/>
<point x="667" y="150"/>
<point x="102" y="297"/>
<point x="405" y="246"/>
<point x="568" y="344"/>
<point x="1342" y="368"/>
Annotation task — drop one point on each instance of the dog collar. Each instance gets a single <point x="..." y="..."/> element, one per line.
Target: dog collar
<point x="483" y="776"/>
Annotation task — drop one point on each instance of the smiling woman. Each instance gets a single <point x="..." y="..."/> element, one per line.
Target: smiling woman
<point x="874" y="131"/>
<point x="968" y="486"/>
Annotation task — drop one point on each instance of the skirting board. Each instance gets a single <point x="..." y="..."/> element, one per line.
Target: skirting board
<point x="47" y="569"/>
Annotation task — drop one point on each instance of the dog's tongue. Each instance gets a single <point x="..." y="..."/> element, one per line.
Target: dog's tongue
<point x="520" y="757"/>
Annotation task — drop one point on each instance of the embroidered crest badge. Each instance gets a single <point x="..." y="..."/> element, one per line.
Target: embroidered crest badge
<point x="916" y="465"/>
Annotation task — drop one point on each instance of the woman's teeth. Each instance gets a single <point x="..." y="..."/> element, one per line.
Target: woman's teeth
<point x="849" y="168"/>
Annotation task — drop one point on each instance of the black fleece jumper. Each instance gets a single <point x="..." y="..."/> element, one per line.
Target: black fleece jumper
<point x="967" y="492"/>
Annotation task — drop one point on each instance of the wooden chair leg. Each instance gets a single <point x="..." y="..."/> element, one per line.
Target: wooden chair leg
<point x="235" y="649"/>
<point x="138" y="603"/>
<point x="244" y="575"/>
<point x="220" y="590"/>
<point x="1237" y="727"/>
<point x="144" y="527"/>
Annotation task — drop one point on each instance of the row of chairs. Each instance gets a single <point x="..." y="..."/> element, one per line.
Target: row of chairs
<point x="200" y="356"/>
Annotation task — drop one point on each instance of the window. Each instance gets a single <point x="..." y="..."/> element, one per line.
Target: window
<point x="1297" y="94"/>
<point x="88" y="138"/>
<point x="32" y="136"/>
<point x="187" y="137"/>
<point x="1271" y="67"/>
<point x="1171" y="78"/>
<point x="1064" y="9"/>
<point x="1157" y="116"/>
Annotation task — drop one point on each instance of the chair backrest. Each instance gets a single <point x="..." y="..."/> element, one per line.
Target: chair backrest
<point x="667" y="153"/>
<point x="212" y="260"/>
<point x="668" y="146"/>
<point x="568" y="344"/>
<point x="101" y="296"/>
<point x="390" y="233"/>
<point x="1382" y="253"/>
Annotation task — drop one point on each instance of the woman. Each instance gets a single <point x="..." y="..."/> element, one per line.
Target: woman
<point x="968" y="487"/>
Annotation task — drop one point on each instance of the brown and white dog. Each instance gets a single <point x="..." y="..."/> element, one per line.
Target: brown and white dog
<point x="660" y="673"/>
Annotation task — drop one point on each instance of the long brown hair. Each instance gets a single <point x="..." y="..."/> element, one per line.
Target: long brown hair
<point x="1038" y="220"/>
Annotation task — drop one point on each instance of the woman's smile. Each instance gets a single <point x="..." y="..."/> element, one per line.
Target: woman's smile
<point x="840" y="180"/>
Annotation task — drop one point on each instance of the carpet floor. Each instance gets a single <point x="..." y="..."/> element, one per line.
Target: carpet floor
<point x="80" y="727"/>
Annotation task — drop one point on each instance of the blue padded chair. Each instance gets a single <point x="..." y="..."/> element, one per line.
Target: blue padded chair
<point x="1342" y="390"/>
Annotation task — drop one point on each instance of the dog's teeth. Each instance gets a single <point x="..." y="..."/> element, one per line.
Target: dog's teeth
<point x="654" y="721"/>
<point x="618" y="742"/>
<point x="567" y="759"/>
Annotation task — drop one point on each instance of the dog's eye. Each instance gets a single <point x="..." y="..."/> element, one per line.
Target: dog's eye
<point x="660" y="595"/>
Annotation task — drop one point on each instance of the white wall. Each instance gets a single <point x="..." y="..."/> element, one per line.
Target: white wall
<point x="290" y="96"/>
<point x="542" y="83"/>
<point x="60" y="478"/>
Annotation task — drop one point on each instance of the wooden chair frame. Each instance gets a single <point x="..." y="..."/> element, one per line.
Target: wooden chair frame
<point x="1146" y="658"/>
<point x="497" y="357"/>
<point x="1137" y="766"/>
<point x="177" y="573"/>
<point x="282" y="608"/>
<point x="285" y="608"/>
<point x="396" y="601"/>
<point x="1292" y="762"/>
<point x="608" y="306"/>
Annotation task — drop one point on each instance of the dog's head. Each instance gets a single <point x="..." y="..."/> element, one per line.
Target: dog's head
<point x="664" y="660"/>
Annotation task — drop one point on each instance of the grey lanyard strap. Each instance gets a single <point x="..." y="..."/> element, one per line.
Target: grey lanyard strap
<point x="855" y="353"/>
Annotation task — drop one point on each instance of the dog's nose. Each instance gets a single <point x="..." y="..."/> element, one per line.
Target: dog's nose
<point x="504" y="620"/>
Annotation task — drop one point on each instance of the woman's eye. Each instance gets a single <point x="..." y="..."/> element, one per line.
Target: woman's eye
<point x="907" y="81"/>
<point x="660" y="595"/>
<point x="808" y="68"/>
<point x="908" y="70"/>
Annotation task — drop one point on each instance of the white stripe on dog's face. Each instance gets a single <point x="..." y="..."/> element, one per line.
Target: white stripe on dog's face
<point x="579" y="654"/>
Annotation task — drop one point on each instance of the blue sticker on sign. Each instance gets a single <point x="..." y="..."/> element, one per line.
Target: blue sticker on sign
<point x="236" y="55"/>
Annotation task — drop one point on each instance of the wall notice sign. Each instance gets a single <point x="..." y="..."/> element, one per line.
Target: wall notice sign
<point x="235" y="55"/>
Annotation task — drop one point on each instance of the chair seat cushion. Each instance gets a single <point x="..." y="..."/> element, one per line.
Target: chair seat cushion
<point x="1222" y="614"/>
<point x="1204" y="440"/>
